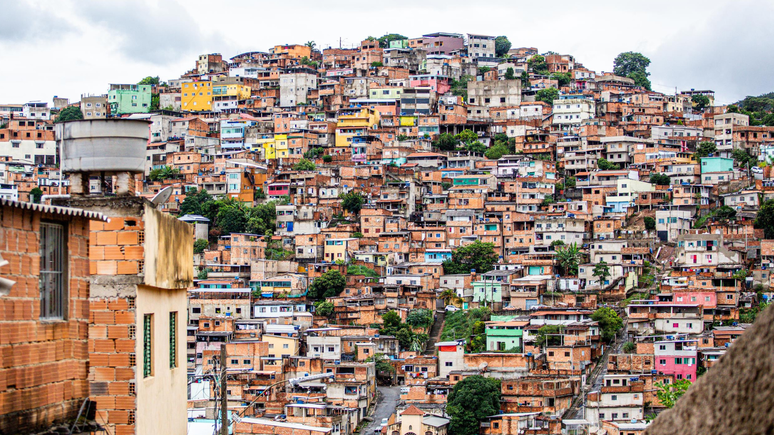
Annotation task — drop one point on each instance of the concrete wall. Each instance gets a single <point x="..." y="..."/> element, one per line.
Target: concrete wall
<point x="168" y="251"/>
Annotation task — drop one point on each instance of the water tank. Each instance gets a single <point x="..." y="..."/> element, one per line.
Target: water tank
<point x="110" y="145"/>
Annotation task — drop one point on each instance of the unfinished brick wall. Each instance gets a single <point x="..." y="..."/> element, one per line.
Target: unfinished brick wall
<point x="43" y="363"/>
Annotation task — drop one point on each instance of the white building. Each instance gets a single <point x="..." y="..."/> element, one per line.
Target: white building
<point x="36" y="110"/>
<point x="294" y="88"/>
<point x="572" y="110"/>
<point x="481" y="46"/>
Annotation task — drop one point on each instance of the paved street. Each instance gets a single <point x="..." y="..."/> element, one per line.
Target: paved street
<point x="385" y="407"/>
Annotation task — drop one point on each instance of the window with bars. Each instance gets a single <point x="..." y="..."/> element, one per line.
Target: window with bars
<point x="173" y="339"/>
<point x="147" y="345"/>
<point x="53" y="279"/>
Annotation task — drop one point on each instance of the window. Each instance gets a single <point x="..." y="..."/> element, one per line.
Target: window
<point x="196" y="310"/>
<point x="448" y="363"/>
<point x="147" y="345"/>
<point x="53" y="246"/>
<point x="614" y="397"/>
<point x="173" y="339"/>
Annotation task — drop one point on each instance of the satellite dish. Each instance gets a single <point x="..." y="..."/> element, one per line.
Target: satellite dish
<point x="163" y="196"/>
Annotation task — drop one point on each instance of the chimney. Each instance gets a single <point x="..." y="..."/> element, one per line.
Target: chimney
<point x="111" y="150"/>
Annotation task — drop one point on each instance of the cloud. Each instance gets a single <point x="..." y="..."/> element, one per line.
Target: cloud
<point x="158" y="33"/>
<point x="24" y="22"/>
<point x="729" y="52"/>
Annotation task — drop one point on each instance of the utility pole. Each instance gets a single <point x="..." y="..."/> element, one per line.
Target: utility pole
<point x="223" y="392"/>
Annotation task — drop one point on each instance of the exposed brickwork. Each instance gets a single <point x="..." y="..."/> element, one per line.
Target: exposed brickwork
<point x="43" y="364"/>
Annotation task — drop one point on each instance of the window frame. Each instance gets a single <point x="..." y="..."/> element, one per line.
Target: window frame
<point x="61" y="292"/>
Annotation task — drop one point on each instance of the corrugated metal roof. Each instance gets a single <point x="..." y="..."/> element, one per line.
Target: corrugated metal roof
<point x="64" y="211"/>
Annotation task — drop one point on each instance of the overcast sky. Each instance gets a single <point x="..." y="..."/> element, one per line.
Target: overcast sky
<point x="73" y="47"/>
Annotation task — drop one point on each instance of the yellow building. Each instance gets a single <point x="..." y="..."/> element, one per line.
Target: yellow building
<point x="337" y="249"/>
<point x="196" y="96"/>
<point x="293" y="50"/>
<point x="355" y="122"/>
<point x="281" y="146"/>
<point x="279" y="347"/>
<point x="242" y="92"/>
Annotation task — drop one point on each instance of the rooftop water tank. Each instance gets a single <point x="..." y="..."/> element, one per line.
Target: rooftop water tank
<point x="103" y="145"/>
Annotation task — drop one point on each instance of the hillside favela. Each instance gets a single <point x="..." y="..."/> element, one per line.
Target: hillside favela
<point x="434" y="234"/>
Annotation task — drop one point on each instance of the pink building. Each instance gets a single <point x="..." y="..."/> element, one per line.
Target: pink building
<point x="677" y="358"/>
<point x="439" y="84"/>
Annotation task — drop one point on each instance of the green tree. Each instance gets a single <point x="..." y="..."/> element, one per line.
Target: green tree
<point x="547" y="95"/>
<point x="705" y="149"/>
<point x="568" y="257"/>
<point x="563" y="78"/>
<point x="479" y="390"/>
<point x="601" y="271"/>
<point x="744" y="159"/>
<point x="724" y="213"/>
<point x="701" y="101"/>
<point x="352" y="201"/>
<point x="570" y="183"/>
<point x="328" y="285"/>
<point x="548" y="335"/>
<point x="231" y="216"/>
<point x="327" y="159"/>
<point x="475" y="147"/>
<point x="606" y="165"/>
<point x="70" y="113"/>
<point x="262" y="218"/>
<point x="524" y="77"/>
<point x="460" y="87"/>
<point x="421" y="318"/>
<point x="200" y="245"/>
<point x="537" y="64"/>
<point x="497" y="151"/>
<point x="193" y="202"/>
<point x="630" y="62"/>
<point x="510" y="74"/>
<point x="477" y="255"/>
<point x="203" y="273"/>
<point x="381" y="363"/>
<point x="35" y="194"/>
<point x="402" y="137"/>
<point x="323" y="308"/>
<point x="609" y="322"/>
<point x="376" y="64"/>
<point x="765" y="219"/>
<point x="483" y="70"/>
<point x="660" y="179"/>
<point x="650" y="223"/>
<point x="391" y="320"/>
<point x="466" y="136"/>
<point x="668" y="394"/>
<point x="311" y="44"/>
<point x="304" y="165"/>
<point x="384" y="41"/>
<point x="502" y="45"/>
<point x="446" y="142"/>
<point x="149" y="80"/>
<point x="629" y="347"/>
<point x="641" y="79"/>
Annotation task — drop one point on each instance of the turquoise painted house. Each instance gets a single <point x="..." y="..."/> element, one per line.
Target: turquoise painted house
<point x="504" y="336"/>
<point x="716" y="164"/>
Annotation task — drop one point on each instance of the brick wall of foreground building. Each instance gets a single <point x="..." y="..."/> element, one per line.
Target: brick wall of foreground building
<point x="43" y="363"/>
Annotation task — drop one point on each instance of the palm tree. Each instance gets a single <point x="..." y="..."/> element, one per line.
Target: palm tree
<point x="568" y="257"/>
<point x="311" y="44"/>
<point x="450" y="296"/>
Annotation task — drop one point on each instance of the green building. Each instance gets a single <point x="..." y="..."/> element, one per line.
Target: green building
<point x="716" y="164"/>
<point x="504" y="336"/>
<point x="129" y="99"/>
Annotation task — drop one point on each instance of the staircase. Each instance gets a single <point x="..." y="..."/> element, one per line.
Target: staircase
<point x="435" y="333"/>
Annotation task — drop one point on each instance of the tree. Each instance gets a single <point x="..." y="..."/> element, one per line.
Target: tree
<point x="606" y="165"/>
<point x="475" y="147"/>
<point x="640" y="79"/>
<point x="327" y="159"/>
<point x="450" y="297"/>
<point x="725" y="213"/>
<point x="384" y="41"/>
<point x="510" y="74"/>
<point x="149" y="80"/>
<point x="477" y="255"/>
<point x="629" y="347"/>
<point x="200" y="245"/>
<point x="569" y="258"/>
<point x="609" y="322"/>
<point x="705" y="149"/>
<point x="352" y="201"/>
<point x="472" y="399"/>
<point x="601" y="271"/>
<point x="421" y="318"/>
<point x="446" y="142"/>
<point x="69" y="113"/>
<point x="483" y="70"/>
<point x="570" y="182"/>
<point x="304" y="165"/>
<point x="203" y="273"/>
<point x="328" y="285"/>
<point x="502" y="45"/>
<point x="311" y="44"/>
<point x="402" y="137"/>
<point x="668" y="394"/>
<point x="381" y="363"/>
<point x="537" y="64"/>
<point x="497" y="151"/>
<point x="524" y="77"/>
<point x="194" y="201"/>
<point x="231" y="216"/>
<point x="155" y="101"/>
<point x="323" y="308"/>
<point x="650" y="223"/>
<point x="660" y="179"/>
<point x="466" y="136"/>
<point x="630" y="62"/>
<point x="700" y="101"/>
<point x="547" y="95"/>
<point x="548" y="335"/>
<point x="35" y="194"/>
<point x="391" y="320"/>
<point x="376" y="64"/>
<point x="744" y="158"/>
<point x="765" y="219"/>
<point x="460" y="87"/>
<point x="563" y="78"/>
